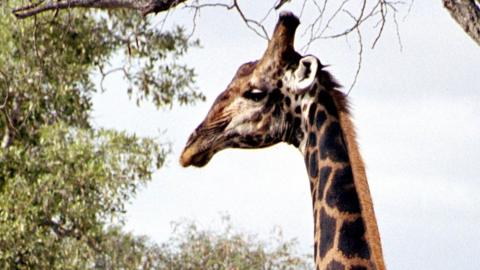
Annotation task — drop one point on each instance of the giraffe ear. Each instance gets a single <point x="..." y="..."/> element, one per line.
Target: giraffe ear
<point x="305" y="74"/>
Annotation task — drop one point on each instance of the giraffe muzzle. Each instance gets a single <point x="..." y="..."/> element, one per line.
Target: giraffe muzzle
<point x="192" y="157"/>
<point x="197" y="152"/>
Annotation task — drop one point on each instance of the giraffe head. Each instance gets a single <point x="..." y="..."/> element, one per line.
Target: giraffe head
<point x="263" y="103"/>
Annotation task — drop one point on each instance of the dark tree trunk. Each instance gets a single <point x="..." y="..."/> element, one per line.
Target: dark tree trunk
<point x="467" y="14"/>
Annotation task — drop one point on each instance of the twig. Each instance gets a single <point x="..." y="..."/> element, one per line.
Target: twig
<point x="5" y="100"/>
<point x="303" y="8"/>
<point x="268" y="14"/>
<point x="382" y="22"/>
<point x="340" y="8"/>
<point x="105" y="74"/>
<point x="248" y="22"/>
<point x="318" y="21"/>
<point x="280" y="4"/>
<point x="397" y="30"/>
<point x="410" y="6"/>
<point x="357" y="23"/>
<point x="360" y="59"/>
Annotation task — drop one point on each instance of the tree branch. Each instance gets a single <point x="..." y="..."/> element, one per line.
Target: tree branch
<point x="280" y="4"/>
<point x="144" y="7"/>
<point x="250" y="23"/>
<point x="467" y="14"/>
<point x="10" y="122"/>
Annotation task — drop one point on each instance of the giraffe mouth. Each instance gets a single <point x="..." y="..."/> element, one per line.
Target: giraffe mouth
<point x="195" y="155"/>
<point x="203" y="143"/>
<point x="197" y="160"/>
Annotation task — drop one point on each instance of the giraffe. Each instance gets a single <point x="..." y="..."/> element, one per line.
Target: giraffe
<point x="286" y="97"/>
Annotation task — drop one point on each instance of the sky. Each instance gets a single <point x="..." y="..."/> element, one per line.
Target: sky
<point x="416" y="110"/>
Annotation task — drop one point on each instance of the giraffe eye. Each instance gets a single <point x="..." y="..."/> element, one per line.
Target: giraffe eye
<point x="255" y="94"/>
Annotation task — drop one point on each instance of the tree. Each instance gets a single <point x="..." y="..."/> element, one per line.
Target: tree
<point x="467" y="14"/>
<point x="62" y="181"/>
<point x="58" y="195"/>
<point x="190" y="248"/>
<point x="333" y="19"/>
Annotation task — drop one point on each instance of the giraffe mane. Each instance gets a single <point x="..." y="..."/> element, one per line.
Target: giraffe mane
<point x="359" y="176"/>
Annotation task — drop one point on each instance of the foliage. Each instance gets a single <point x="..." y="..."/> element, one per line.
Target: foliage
<point x="55" y="204"/>
<point x="194" y="248"/>
<point x="46" y="65"/>
<point x="191" y="248"/>
<point x="63" y="182"/>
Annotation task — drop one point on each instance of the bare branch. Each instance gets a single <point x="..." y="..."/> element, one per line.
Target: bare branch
<point x="253" y="25"/>
<point x="144" y="7"/>
<point x="7" y="139"/>
<point x="360" y="54"/>
<point x="330" y="13"/>
<point x="250" y="21"/>
<point x="340" y="8"/>
<point x="397" y="30"/>
<point x="280" y="4"/>
<point x="357" y="21"/>
<point x="375" y="13"/>
<point x="10" y="122"/>
<point x="268" y="14"/>
<point x="410" y="6"/>
<point x="7" y="136"/>
<point x="5" y="78"/>
<point x="383" y="13"/>
<point x="156" y="6"/>
<point x="367" y="11"/>
<point x="106" y="73"/>
<point x="303" y="8"/>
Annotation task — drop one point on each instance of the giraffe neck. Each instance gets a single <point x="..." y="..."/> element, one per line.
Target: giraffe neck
<point x="346" y="235"/>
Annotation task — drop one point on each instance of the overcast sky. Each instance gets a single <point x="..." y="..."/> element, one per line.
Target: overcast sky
<point x="417" y="115"/>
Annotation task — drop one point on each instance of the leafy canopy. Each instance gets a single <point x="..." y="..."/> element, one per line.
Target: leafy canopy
<point x="64" y="184"/>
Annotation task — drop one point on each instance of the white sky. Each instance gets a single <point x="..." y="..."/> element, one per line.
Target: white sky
<point x="417" y="117"/>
